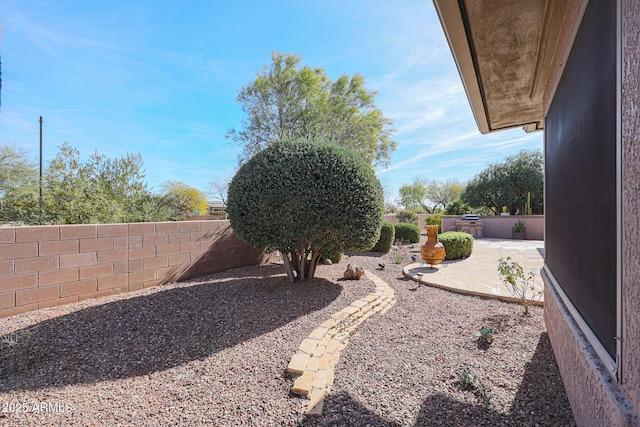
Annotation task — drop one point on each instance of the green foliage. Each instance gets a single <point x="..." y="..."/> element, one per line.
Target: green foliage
<point x="335" y="257"/>
<point x="470" y="382"/>
<point x="19" y="208"/>
<point x="485" y="335"/>
<point x="186" y="200"/>
<point x="431" y="196"/>
<point x="509" y="184"/>
<point x="18" y="187"/>
<point x="407" y="216"/>
<point x="100" y="190"/>
<point x="457" y="207"/>
<point x="412" y="196"/>
<point x="396" y="256"/>
<point x="434" y="219"/>
<point x="519" y="226"/>
<point x="407" y="232"/>
<point x="387" y="237"/>
<point x="18" y="175"/>
<point x="288" y="102"/>
<point x="520" y="284"/>
<point x="304" y="198"/>
<point x="466" y="379"/>
<point x="456" y="244"/>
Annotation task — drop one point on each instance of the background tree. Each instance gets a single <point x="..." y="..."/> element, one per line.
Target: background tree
<point x="218" y="190"/>
<point x="99" y="190"/>
<point x="185" y="199"/>
<point x="429" y="196"/>
<point x="441" y="193"/>
<point x="508" y="184"/>
<point x="305" y="198"/>
<point x="286" y="102"/>
<point x="412" y="196"/>
<point x="18" y="186"/>
<point x="18" y="174"/>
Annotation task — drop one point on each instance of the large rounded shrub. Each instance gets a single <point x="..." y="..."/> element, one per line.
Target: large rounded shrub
<point x="304" y="198"/>
<point x="458" y="245"/>
<point x="407" y="232"/>
<point x="387" y="237"/>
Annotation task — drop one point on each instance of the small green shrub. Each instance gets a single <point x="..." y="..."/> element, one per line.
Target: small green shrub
<point x="407" y="216"/>
<point x="521" y="284"/>
<point x="387" y="237"/>
<point x="458" y="245"/>
<point x="409" y="232"/>
<point x="435" y="219"/>
<point x="485" y="335"/>
<point x="396" y="256"/>
<point x="335" y="257"/>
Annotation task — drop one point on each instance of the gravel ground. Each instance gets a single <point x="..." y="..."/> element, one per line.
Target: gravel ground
<point x="214" y="351"/>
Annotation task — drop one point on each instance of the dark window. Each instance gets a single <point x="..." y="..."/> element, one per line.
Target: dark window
<point x="580" y="174"/>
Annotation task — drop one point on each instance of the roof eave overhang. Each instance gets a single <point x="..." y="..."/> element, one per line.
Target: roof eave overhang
<point x="456" y="34"/>
<point x="550" y="35"/>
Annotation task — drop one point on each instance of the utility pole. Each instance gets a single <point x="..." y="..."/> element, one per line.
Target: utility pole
<point x="40" y="199"/>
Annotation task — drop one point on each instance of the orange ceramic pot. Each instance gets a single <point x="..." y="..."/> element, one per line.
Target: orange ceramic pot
<point x="432" y="251"/>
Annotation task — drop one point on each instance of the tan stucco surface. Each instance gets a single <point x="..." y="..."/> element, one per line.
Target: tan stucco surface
<point x="596" y="398"/>
<point x="510" y="55"/>
<point x="631" y="200"/>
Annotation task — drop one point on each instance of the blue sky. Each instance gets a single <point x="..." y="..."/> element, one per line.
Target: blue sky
<point x="160" y="78"/>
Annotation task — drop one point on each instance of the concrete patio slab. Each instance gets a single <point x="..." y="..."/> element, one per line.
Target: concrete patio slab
<point x="478" y="274"/>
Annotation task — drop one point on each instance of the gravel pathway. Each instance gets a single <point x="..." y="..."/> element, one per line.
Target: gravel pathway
<point x="214" y="351"/>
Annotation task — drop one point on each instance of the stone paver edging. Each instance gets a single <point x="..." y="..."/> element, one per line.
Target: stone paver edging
<point x="318" y="354"/>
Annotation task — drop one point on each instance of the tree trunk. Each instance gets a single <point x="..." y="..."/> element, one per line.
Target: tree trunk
<point x="288" y="267"/>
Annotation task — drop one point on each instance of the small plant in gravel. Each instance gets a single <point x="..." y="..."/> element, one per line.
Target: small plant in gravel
<point x="470" y="382"/>
<point x="396" y="256"/>
<point x="12" y="342"/>
<point x="466" y="379"/>
<point x="520" y="284"/>
<point x="483" y="393"/>
<point x="485" y="335"/>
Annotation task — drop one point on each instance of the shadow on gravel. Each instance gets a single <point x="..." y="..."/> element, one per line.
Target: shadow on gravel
<point x="538" y="401"/>
<point x="146" y="334"/>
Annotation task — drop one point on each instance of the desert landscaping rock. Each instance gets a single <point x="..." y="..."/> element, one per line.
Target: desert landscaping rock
<point x="215" y="351"/>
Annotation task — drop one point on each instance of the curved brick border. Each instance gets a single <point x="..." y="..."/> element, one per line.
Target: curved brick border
<point x="319" y="353"/>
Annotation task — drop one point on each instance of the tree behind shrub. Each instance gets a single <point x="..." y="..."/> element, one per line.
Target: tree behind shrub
<point x="387" y="237"/>
<point x="458" y="245"/>
<point x="407" y="232"/>
<point x="306" y="198"/>
<point x="408" y="216"/>
<point x="435" y="219"/>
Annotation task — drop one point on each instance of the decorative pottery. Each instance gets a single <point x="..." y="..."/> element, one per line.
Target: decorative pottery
<point x="432" y="251"/>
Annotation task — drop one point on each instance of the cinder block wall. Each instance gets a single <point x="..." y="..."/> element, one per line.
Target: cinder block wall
<point x="496" y="227"/>
<point x="45" y="266"/>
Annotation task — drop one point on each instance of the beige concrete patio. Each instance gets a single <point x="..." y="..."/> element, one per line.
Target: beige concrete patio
<point x="478" y="274"/>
